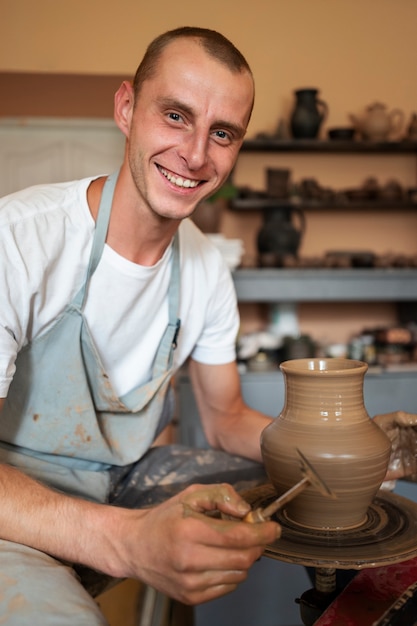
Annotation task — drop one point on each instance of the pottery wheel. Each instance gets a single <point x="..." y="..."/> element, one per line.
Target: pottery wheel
<point x="388" y="535"/>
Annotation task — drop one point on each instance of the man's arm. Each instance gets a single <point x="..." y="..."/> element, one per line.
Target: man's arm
<point x="175" y="547"/>
<point x="229" y="423"/>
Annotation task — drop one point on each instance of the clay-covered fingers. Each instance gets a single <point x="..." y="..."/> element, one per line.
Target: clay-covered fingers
<point x="205" y="586"/>
<point x="390" y="421"/>
<point x="191" y="556"/>
<point x="220" y="560"/>
<point x="221" y="498"/>
<point x="401" y="428"/>
<point x="218" y="553"/>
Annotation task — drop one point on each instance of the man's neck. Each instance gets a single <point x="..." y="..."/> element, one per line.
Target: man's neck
<point x="137" y="236"/>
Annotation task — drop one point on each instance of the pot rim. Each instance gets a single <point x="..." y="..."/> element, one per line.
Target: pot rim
<point x="324" y="366"/>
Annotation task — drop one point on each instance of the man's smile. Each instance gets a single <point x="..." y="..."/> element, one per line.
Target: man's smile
<point x="179" y="181"/>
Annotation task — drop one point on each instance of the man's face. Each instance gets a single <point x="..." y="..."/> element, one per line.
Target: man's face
<point x="186" y="129"/>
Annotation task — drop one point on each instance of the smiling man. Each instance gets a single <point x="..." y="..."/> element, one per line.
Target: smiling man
<point x="107" y="289"/>
<point x="185" y="127"/>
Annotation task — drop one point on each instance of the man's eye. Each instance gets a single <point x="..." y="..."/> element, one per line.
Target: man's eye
<point x="223" y="135"/>
<point x="175" y="116"/>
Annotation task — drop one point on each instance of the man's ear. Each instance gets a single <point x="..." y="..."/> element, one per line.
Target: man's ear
<point x="123" y="106"/>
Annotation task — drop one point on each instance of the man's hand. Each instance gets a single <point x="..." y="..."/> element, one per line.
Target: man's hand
<point x="183" y="550"/>
<point x="401" y="428"/>
<point x="179" y="547"/>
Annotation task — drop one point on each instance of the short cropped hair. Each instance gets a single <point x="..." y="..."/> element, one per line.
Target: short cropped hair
<point x="215" y="44"/>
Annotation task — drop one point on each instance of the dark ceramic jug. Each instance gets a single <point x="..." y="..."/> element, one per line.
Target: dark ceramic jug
<point x="308" y="114"/>
<point x="279" y="236"/>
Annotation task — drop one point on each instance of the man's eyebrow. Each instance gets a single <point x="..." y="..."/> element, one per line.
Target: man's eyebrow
<point x="172" y="103"/>
<point x="236" y="130"/>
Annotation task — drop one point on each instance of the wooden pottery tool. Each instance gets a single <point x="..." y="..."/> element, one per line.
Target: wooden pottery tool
<point x="310" y="477"/>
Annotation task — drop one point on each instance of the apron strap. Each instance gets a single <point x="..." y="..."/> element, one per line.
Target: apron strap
<point x="165" y="354"/>
<point x="100" y="234"/>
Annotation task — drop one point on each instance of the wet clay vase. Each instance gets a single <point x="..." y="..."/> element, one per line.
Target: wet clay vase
<point x="325" y="418"/>
<point x="308" y="115"/>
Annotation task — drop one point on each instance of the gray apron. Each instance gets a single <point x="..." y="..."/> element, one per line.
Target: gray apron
<point x="62" y="422"/>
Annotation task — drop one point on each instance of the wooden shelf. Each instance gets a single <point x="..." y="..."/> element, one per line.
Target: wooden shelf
<point x="317" y="145"/>
<point x="326" y="285"/>
<point x="269" y="204"/>
<point x="325" y="147"/>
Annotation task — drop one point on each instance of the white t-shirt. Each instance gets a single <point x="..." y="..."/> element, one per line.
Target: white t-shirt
<point x="46" y="235"/>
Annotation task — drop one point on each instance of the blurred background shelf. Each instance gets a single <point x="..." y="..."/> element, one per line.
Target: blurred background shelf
<point x="265" y="204"/>
<point x="321" y="285"/>
<point x="316" y="145"/>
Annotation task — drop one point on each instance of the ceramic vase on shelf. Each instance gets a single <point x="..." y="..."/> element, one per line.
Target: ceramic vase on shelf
<point x="280" y="237"/>
<point x="324" y="416"/>
<point x="308" y="114"/>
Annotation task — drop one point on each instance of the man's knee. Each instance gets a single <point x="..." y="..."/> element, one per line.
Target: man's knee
<point x="41" y="591"/>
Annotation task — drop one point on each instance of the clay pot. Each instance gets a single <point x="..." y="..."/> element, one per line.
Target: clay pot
<point x="325" y="418"/>
<point x="308" y="114"/>
<point x="279" y="234"/>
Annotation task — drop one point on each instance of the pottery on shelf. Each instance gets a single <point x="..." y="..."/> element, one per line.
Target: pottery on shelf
<point x="308" y="114"/>
<point x="412" y="128"/>
<point x="324" y="416"/>
<point x="207" y="216"/>
<point x="280" y="235"/>
<point x="377" y="124"/>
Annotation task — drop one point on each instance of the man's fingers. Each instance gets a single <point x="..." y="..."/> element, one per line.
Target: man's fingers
<point x="222" y="497"/>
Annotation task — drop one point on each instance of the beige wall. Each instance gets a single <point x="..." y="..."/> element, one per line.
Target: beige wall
<point x="354" y="52"/>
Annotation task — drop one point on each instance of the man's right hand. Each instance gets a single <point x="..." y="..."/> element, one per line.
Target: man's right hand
<point x="189" y="555"/>
<point x="178" y="547"/>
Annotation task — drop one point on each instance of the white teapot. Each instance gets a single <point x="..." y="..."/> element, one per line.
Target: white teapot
<point x="377" y="124"/>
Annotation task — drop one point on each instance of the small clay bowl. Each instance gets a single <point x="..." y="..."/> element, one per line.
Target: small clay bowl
<point x="344" y="134"/>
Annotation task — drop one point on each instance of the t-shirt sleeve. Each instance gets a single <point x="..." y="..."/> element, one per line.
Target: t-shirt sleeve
<point x="217" y="342"/>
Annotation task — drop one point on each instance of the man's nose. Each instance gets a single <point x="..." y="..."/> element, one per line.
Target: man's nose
<point x="194" y="150"/>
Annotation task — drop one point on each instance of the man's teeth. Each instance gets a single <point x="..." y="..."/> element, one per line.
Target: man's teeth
<point x="177" y="180"/>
